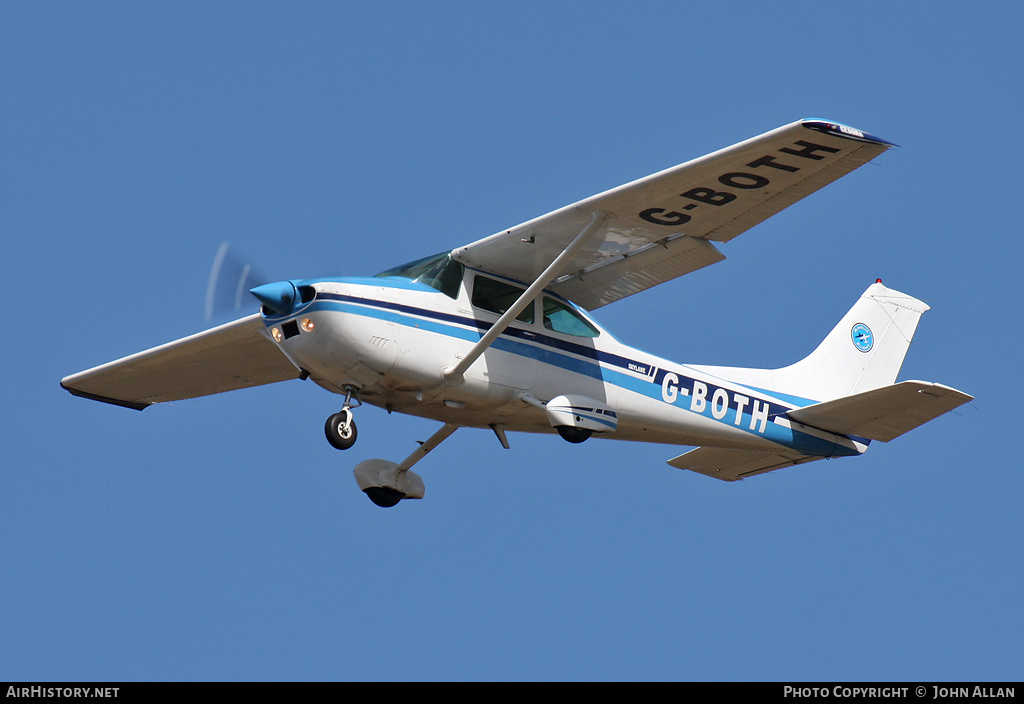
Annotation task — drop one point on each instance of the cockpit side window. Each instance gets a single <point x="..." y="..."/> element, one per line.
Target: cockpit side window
<point x="498" y="297"/>
<point x="562" y="318"/>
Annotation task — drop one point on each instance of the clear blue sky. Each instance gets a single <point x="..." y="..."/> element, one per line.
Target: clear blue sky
<point x="222" y="538"/>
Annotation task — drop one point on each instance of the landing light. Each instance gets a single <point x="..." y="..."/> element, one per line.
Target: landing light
<point x="276" y="334"/>
<point x="307" y="324"/>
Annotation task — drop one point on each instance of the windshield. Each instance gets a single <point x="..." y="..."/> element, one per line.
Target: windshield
<point x="439" y="271"/>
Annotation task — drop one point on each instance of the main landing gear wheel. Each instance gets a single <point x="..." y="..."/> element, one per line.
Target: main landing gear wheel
<point x="384" y="496"/>
<point x="340" y="430"/>
<point x="573" y="435"/>
<point x="385" y="484"/>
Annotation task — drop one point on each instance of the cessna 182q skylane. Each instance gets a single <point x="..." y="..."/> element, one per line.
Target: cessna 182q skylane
<point x="494" y="334"/>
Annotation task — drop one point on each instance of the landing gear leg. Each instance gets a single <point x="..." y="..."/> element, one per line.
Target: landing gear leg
<point x="340" y="428"/>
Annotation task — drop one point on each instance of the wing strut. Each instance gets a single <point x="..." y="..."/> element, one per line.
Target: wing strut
<point x="455" y="373"/>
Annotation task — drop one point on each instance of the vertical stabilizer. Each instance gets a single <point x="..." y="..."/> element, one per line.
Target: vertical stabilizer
<point x="864" y="351"/>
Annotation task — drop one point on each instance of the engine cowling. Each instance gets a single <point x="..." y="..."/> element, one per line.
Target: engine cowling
<point x="576" y="417"/>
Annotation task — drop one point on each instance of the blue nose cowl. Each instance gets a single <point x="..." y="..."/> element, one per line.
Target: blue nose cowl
<point x="279" y="297"/>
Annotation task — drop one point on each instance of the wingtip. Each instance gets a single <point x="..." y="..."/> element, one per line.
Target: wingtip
<point x="134" y="405"/>
<point x="838" y="129"/>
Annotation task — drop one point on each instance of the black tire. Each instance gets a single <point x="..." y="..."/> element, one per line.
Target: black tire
<point x="573" y="435"/>
<point x="340" y="438"/>
<point x="384" y="496"/>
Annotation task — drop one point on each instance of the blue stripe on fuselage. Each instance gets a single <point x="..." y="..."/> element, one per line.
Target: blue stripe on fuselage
<point x="551" y="350"/>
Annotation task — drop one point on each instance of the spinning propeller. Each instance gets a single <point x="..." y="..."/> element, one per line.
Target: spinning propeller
<point x="231" y="277"/>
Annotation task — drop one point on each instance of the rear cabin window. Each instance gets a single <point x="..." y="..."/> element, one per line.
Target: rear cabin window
<point x="561" y="318"/>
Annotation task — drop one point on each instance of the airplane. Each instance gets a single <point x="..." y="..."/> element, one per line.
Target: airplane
<point x="498" y="333"/>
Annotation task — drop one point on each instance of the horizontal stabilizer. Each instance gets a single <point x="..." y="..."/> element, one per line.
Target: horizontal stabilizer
<point x="731" y="465"/>
<point x="233" y="356"/>
<point x="882" y="414"/>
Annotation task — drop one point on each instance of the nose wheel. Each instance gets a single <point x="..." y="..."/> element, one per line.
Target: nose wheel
<point x="340" y="428"/>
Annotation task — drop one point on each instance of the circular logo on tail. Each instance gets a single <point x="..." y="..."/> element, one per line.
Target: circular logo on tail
<point x="863" y="340"/>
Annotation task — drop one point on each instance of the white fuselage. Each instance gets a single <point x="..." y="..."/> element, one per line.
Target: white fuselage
<point x="391" y="338"/>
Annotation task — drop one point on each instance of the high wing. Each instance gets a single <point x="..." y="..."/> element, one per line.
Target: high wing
<point x="662" y="226"/>
<point x="232" y="356"/>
